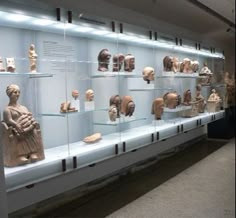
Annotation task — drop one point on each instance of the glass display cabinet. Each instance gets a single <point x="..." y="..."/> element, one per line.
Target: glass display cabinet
<point x="94" y="91"/>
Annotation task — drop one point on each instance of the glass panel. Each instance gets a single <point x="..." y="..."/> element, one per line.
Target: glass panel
<point x="40" y="74"/>
<point x="137" y="87"/>
<point x="92" y="137"/>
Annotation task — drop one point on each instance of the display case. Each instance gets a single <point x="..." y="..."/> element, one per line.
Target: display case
<point x="109" y="60"/>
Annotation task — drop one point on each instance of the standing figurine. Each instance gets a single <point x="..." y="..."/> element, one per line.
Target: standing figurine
<point x="32" y="58"/>
<point x="200" y="99"/>
<point x="22" y="142"/>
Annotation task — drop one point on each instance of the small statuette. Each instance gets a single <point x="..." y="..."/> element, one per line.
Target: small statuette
<point x="11" y="67"/>
<point x="32" y="58"/>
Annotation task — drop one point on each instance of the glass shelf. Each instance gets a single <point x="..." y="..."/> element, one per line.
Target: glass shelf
<point x="114" y="74"/>
<point x="177" y="109"/>
<point x="59" y="114"/>
<point x="179" y="75"/>
<point x="122" y="120"/>
<point x="150" y="89"/>
<point x="30" y="75"/>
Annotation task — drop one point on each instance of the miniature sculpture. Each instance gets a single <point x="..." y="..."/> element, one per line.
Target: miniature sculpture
<point x="103" y="60"/>
<point x="66" y="107"/>
<point x="200" y="99"/>
<point x="75" y="103"/>
<point x="93" y="138"/>
<point x="230" y="89"/>
<point x="11" y="67"/>
<point x="118" y="61"/>
<point x="32" y="58"/>
<point x="112" y="112"/>
<point x="171" y="100"/>
<point x="148" y="74"/>
<point x="89" y="95"/>
<point x="2" y="69"/>
<point x="213" y="102"/>
<point x="158" y="108"/>
<point x="22" y="141"/>
<point x="116" y="101"/>
<point x="206" y="72"/>
<point x="194" y="66"/>
<point x="127" y="106"/>
<point x="168" y="63"/>
<point x="129" y="63"/>
<point x="175" y="64"/>
<point x="185" y="66"/>
<point x="187" y="97"/>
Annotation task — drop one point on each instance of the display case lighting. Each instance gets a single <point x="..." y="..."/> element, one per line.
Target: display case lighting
<point x="17" y="17"/>
<point x="130" y="37"/>
<point x="42" y="22"/>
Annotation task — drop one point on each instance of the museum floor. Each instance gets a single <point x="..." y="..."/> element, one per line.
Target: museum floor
<point x="198" y="182"/>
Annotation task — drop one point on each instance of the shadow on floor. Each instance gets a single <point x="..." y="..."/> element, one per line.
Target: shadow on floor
<point x="127" y="188"/>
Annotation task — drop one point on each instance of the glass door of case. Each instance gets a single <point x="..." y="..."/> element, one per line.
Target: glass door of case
<point x="93" y="136"/>
<point x="136" y="87"/>
<point x="35" y="136"/>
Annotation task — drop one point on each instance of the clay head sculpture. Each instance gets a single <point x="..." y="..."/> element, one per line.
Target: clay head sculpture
<point x="75" y="94"/>
<point x="22" y="142"/>
<point x="127" y="106"/>
<point x="168" y="63"/>
<point x="186" y="66"/>
<point x="103" y="60"/>
<point x="116" y="100"/>
<point x="148" y="74"/>
<point x="118" y="60"/>
<point x="158" y="108"/>
<point x="32" y="58"/>
<point x="194" y="66"/>
<point x="205" y="71"/>
<point x="89" y="95"/>
<point x="175" y="64"/>
<point x="112" y="112"/>
<point x="129" y="63"/>
<point x="171" y="100"/>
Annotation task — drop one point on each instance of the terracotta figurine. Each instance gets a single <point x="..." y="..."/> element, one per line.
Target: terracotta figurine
<point x="22" y="140"/>
<point x="187" y="97"/>
<point x="112" y="112"/>
<point x="103" y="60"/>
<point x="194" y="66"/>
<point x="129" y="63"/>
<point x="127" y="106"/>
<point x="116" y="100"/>
<point x="206" y="72"/>
<point x="93" y="138"/>
<point x="175" y="64"/>
<point x="200" y="99"/>
<point x="158" y="108"/>
<point x="148" y="74"/>
<point x="118" y="61"/>
<point x="32" y="58"/>
<point x="171" y="100"/>
<point x="186" y="66"/>
<point x="168" y="63"/>
<point x="66" y="107"/>
<point x="89" y="95"/>
<point x="213" y="102"/>
<point x="11" y="67"/>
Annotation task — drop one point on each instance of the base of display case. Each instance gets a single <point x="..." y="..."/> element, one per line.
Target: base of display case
<point x="223" y="128"/>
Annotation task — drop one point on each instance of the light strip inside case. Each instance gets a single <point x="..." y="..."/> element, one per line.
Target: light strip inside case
<point x="22" y="20"/>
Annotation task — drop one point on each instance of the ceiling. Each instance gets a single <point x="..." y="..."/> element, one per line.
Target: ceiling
<point x="186" y="14"/>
